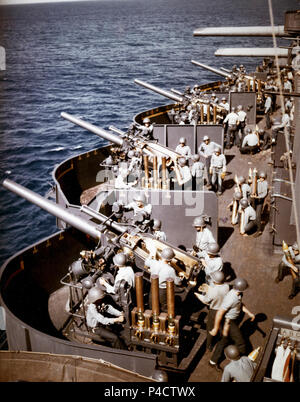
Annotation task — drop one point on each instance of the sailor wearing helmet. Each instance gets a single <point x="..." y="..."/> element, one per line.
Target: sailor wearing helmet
<point x="183" y="149"/>
<point x="204" y="235"/>
<point x="217" y="169"/>
<point x="206" y="149"/>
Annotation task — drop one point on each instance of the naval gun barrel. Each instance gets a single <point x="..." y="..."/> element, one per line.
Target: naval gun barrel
<point x="94" y="129"/>
<point x="212" y="69"/>
<point x="61" y="213"/>
<point x="166" y="94"/>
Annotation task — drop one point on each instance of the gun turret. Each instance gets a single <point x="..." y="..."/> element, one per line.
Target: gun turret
<point x="160" y="91"/>
<point x="212" y="69"/>
<point x="129" y="237"/>
<point x="96" y="130"/>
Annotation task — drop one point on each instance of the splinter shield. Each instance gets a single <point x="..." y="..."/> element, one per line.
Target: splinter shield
<point x="175" y="209"/>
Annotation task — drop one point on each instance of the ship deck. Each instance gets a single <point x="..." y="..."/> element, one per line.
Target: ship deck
<point x="252" y="258"/>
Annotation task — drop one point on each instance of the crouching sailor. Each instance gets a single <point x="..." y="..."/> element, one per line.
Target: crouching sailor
<point x="98" y="321"/>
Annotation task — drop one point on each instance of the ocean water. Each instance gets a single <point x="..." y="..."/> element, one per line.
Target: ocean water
<point x="82" y="58"/>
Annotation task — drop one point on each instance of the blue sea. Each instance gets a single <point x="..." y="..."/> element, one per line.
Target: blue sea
<point x="82" y="58"/>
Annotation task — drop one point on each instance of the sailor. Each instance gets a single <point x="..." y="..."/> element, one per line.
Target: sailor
<point x="214" y="99"/>
<point x="225" y="104"/>
<point x="243" y="121"/>
<point x="285" y="123"/>
<point x="237" y="196"/>
<point x="265" y="139"/>
<point x="287" y="85"/>
<point x="164" y="270"/>
<point x="122" y="179"/>
<point x="268" y="104"/>
<point x="240" y="368"/>
<point x="139" y="205"/>
<point x="212" y="296"/>
<point x="157" y="232"/>
<point x="98" y="321"/>
<point x="262" y="192"/>
<point x="245" y="188"/>
<point x="233" y="121"/>
<point x="207" y="109"/>
<point x="183" y="149"/>
<point x="206" y="149"/>
<point x="231" y="308"/>
<point x="125" y="272"/>
<point x="147" y="129"/>
<point x="204" y="235"/>
<point x="184" y="178"/>
<point x="247" y="217"/>
<point x="285" y="267"/>
<point x="296" y="61"/>
<point x="197" y="171"/>
<point x="250" y="143"/>
<point x="135" y="161"/>
<point x="211" y="261"/>
<point x="218" y="169"/>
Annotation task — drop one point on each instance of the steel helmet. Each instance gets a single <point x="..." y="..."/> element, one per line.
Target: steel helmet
<point x="232" y="352"/>
<point x="213" y="248"/>
<point x="95" y="294"/>
<point x="295" y="246"/>
<point x="218" y="277"/>
<point x="167" y="254"/>
<point x="140" y="197"/>
<point x="244" y="203"/>
<point x="196" y="157"/>
<point x="248" y="130"/>
<point x="262" y="174"/>
<point x="146" y="120"/>
<point x="199" y="222"/>
<point x="241" y="179"/>
<point x="213" y="95"/>
<point x="120" y="259"/>
<point x="87" y="282"/>
<point x="182" y="140"/>
<point x="233" y="109"/>
<point x="205" y="138"/>
<point x="240" y="284"/>
<point x="182" y="161"/>
<point x="240" y="107"/>
<point x="261" y="131"/>
<point x="224" y="99"/>
<point x="156" y="224"/>
<point x="237" y="196"/>
<point x="131" y="154"/>
<point x="218" y="149"/>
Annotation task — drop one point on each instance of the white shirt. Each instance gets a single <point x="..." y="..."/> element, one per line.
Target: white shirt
<point x="262" y="188"/>
<point x="197" y="169"/>
<point x="184" y="151"/>
<point x="204" y="238"/>
<point x="232" y="303"/>
<point x="93" y="317"/>
<point x="163" y="270"/>
<point x="268" y="104"/>
<point x="125" y="273"/>
<point x="136" y="209"/>
<point x="212" y="265"/>
<point x="207" y="149"/>
<point x="225" y="105"/>
<point x="242" y="115"/>
<point x="250" y="139"/>
<point x="215" y="295"/>
<point x="159" y="235"/>
<point x="250" y="214"/>
<point x="232" y="119"/>
<point x="185" y="174"/>
<point x="218" y="161"/>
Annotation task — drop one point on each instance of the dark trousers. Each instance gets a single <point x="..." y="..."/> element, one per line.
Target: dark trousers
<point x="108" y="335"/>
<point x="283" y="270"/>
<point x="230" y="135"/>
<point x="234" y="335"/>
<point x="197" y="183"/>
<point x="209" y="326"/>
<point x="207" y="165"/>
<point x="247" y="149"/>
<point x="259" y="209"/>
